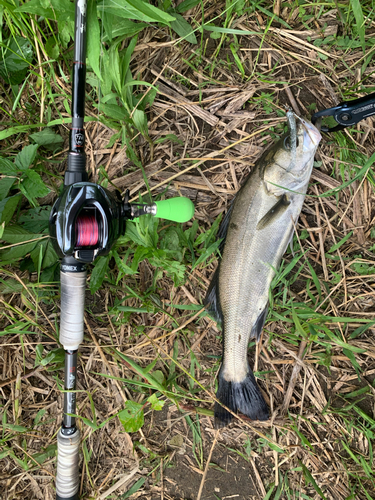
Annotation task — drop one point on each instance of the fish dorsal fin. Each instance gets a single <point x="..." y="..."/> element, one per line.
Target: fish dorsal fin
<point x="259" y="324"/>
<point x="212" y="301"/>
<point x="274" y="213"/>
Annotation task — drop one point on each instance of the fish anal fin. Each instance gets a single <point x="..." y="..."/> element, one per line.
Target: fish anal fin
<point x="212" y="301"/>
<point x="259" y="324"/>
<point x="274" y="213"/>
<point x="244" y="396"/>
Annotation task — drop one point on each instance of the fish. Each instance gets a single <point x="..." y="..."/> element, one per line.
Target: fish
<point x="255" y="232"/>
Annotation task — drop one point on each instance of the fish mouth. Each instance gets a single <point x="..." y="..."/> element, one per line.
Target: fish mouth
<point x="310" y="133"/>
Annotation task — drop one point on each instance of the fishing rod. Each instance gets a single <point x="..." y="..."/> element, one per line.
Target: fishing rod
<point x="84" y="223"/>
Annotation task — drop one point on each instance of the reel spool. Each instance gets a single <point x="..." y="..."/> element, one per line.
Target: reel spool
<point x="87" y="231"/>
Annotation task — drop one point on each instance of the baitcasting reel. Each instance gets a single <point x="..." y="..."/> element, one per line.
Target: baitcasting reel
<point x="87" y="219"/>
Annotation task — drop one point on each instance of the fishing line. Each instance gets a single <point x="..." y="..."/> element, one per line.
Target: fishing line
<point x="87" y="230"/>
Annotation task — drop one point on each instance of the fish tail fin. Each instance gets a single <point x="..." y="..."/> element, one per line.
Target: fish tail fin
<point x="244" y="396"/>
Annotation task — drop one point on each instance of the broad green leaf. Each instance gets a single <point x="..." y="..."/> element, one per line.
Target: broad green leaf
<point x="114" y="67"/>
<point x="57" y="9"/>
<point x="36" y="220"/>
<point x="114" y="111"/>
<point x="140" y="121"/>
<point x="7" y="132"/>
<point x="133" y="234"/>
<point x="123" y="28"/>
<point x="39" y="416"/>
<point x="16" y="252"/>
<point x="17" y="55"/>
<point x="5" y="184"/>
<point x="135" y="9"/>
<point x="93" y="38"/>
<point x="125" y="63"/>
<point x="43" y="250"/>
<point x="47" y="138"/>
<point x="155" y="403"/>
<point x="183" y="29"/>
<point x="363" y="268"/>
<point x="48" y="275"/>
<point x="121" y="264"/>
<point x="17" y="234"/>
<point x="98" y="273"/>
<point x="158" y="375"/>
<point x="107" y="21"/>
<point x="132" y="417"/>
<point x="149" y="10"/>
<point x="16" y="428"/>
<point x="26" y="157"/>
<point x="187" y="5"/>
<point x="65" y="32"/>
<point x="52" y="48"/>
<point x="33" y="185"/>
<point x="7" y="167"/>
<point x="8" y="207"/>
<point x="171" y="243"/>
<point x="44" y="455"/>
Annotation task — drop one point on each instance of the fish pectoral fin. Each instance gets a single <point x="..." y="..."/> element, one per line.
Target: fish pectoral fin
<point x="274" y="213"/>
<point x="259" y="324"/>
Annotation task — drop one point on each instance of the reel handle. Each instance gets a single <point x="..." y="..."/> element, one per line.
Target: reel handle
<point x="179" y="209"/>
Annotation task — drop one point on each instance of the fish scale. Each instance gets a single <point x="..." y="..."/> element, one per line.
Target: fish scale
<point x="257" y="229"/>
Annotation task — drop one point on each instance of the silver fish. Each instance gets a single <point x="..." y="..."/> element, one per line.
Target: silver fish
<point x="257" y="230"/>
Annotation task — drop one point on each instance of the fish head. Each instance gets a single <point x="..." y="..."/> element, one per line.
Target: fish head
<point x="290" y="169"/>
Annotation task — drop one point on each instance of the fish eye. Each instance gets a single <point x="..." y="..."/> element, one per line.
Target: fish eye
<point x="287" y="144"/>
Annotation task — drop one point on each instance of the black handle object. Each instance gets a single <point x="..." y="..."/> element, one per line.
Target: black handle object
<point x="347" y="113"/>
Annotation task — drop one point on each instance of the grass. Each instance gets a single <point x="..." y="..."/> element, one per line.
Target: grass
<point x="148" y="364"/>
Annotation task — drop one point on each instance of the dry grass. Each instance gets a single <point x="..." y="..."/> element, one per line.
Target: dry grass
<point x="224" y="123"/>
